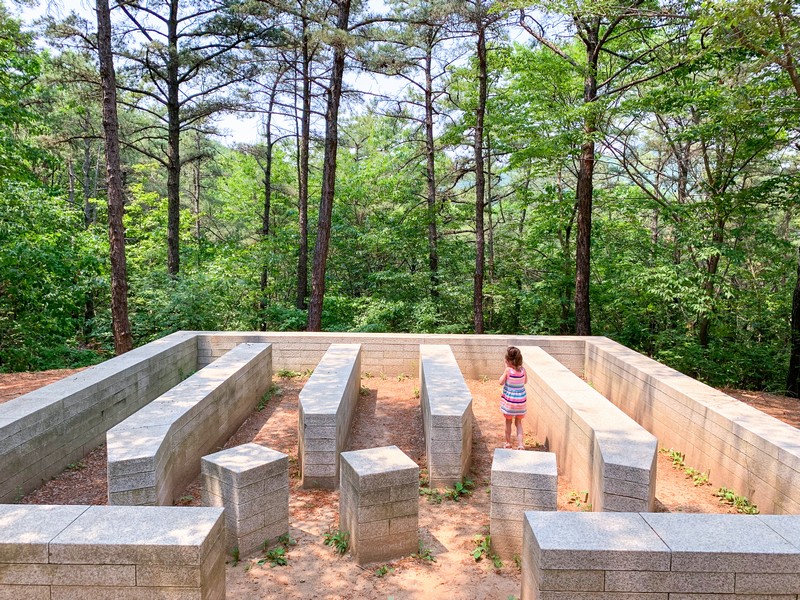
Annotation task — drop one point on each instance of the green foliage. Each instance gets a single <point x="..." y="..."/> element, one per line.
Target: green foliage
<point x="740" y="503"/>
<point x="424" y="553"/>
<point x="338" y="540"/>
<point x="279" y="555"/>
<point x="383" y="570"/>
<point x="698" y="477"/>
<point x="483" y="549"/>
<point x="580" y="500"/>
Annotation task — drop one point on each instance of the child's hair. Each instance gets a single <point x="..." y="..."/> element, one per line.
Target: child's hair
<point x="514" y="357"/>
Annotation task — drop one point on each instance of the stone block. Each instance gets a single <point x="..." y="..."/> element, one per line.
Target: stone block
<point x="723" y="544"/>
<point x="166" y="535"/>
<point x="26" y="531"/>
<point x="385" y="524"/>
<point x="595" y="541"/>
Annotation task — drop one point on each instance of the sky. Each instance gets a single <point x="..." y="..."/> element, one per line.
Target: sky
<point x="234" y="129"/>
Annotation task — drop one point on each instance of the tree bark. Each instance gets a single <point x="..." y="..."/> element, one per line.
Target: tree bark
<point x="793" y="378"/>
<point x="123" y="341"/>
<point x="480" y="177"/>
<point x="430" y="174"/>
<point x="585" y="190"/>
<point x="328" y="174"/>
<point x="302" y="174"/>
<point x="173" y="146"/>
<point x="265" y="218"/>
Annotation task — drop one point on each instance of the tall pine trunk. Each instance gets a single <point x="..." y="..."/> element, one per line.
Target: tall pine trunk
<point x="120" y="324"/>
<point x="173" y="146"/>
<point x="585" y="190"/>
<point x="430" y="173"/>
<point x="328" y="173"/>
<point x="302" y="173"/>
<point x="480" y="176"/>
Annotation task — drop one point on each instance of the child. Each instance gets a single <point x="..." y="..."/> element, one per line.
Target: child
<point x="512" y="403"/>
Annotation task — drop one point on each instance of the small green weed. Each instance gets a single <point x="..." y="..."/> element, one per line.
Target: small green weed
<point x="288" y="374"/>
<point x="679" y="462"/>
<point x="461" y="488"/>
<point x="272" y="392"/>
<point x="184" y="500"/>
<point x="367" y="375"/>
<point x="416" y="392"/>
<point x="741" y="503"/>
<point x="235" y="556"/>
<point x="402" y="377"/>
<point x="76" y="466"/>
<point x="363" y="392"/>
<point x="483" y="549"/>
<point x="338" y="540"/>
<point x="518" y="561"/>
<point x="434" y="496"/>
<point x="383" y="570"/>
<point x="424" y="554"/>
<point x="279" y="555"/>
<point x="580" y="500"/>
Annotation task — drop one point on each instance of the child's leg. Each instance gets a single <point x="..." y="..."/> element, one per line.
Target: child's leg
<point x="520" y="442"/>
<point x="508" y="432"/>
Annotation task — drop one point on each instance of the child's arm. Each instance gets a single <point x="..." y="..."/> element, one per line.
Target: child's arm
<point x="524" y="375"/>
<point x="503" y="377"/>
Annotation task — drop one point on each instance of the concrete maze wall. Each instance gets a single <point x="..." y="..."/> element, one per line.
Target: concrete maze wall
<point x="44" y="431"/>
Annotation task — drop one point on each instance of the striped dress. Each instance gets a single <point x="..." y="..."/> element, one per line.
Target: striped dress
<point x="512" y="402"/>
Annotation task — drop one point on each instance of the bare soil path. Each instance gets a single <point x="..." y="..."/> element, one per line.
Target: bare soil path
<point x="388" y="413"/>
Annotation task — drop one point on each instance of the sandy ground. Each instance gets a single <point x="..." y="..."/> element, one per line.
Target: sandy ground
<point x="388" y="413"/>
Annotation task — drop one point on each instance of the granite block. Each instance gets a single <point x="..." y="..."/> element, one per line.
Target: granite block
<point x="594" y="541"/>
<point x="26" y="530"/>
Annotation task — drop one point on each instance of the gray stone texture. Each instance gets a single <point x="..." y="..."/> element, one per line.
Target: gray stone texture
<point x="446" y="415"/>
<point x="111" y="552"/>
<point x="252" y="483"/>
<point x="156" y="452"/>
<point x="521" y="481"/>
<point x="599" y="448"/>
<point x="742" y="448"/>
<point x="379" y="503"/>
<point x="328" y="403"/>
<point x="676" y="556"/>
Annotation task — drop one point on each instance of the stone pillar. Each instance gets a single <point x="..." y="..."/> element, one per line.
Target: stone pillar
<point x="252" y="483"/>
<point x="520" y="481"/>
<point x="379" y="503"/>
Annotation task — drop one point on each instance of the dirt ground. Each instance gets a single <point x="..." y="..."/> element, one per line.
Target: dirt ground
<point x="388" y="413"/>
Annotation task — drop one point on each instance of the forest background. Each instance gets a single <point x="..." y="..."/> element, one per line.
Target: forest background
<point x="620" y="168"/>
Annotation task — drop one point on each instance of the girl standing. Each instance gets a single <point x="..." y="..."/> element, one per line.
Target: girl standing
<point x="513" y="399"/>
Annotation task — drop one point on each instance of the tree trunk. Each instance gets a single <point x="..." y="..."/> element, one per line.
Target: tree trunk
<point x="584" y="193"/>
<point x="302" y="174"/>
<point x="328" y="175"/>
<point x="116" y="200"/>
<point x="267" y="197"/>
<point x="480" y="178"/>
<point x="793" y="379"/>
<point x="173" y="146"/>
<point x="430" y="173"/>
<point x="712" y="266"/>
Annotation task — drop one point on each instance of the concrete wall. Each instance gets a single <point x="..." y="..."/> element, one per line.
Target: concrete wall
<point x="327" y="406"/>
<point x="393" y="353"/>
<point x="598" y="447"/>
<point x="660" y="556"/>
<point x="741" y="447"/>
<point x="45" y="430"/>
<point x="111" y="553"/>
<point x="156" y="452"/>
<point x="446" y="416"/>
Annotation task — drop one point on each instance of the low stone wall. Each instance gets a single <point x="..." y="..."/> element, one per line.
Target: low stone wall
<point x="521" y="481"/>
<point x="660" y="556"/>
<point x="45" y="430"/>
<point x="156" y="452"/>
<point x="392" y="353"/>
<point x="328" y="402"/>
<point x="742" y="448"/>
<point x="252" y="483"/>
<point x="599" y="448"/>
<point x="379" y="503"/>
<point x="111" y="552"/>
<point x="446" y="415"/>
